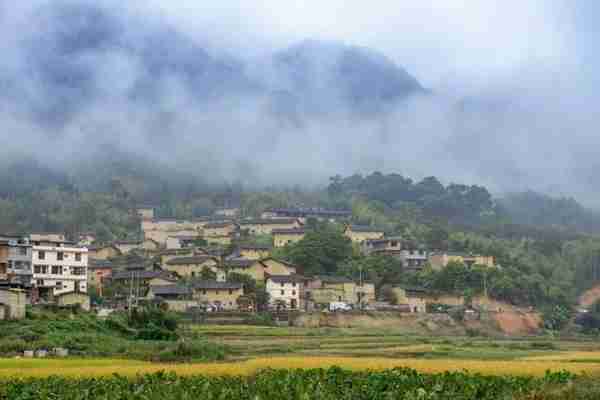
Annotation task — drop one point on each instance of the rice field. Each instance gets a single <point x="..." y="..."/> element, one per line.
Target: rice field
<point x="106" y="367"/>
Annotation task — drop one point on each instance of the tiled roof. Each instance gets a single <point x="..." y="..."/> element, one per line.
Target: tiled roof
<point x="364" y="228"/>
<point x="286" y="278"/>
<point x="239" y="262"/>
<point x="255" y="247"/>
<point x="99" y="264"/>
<point x="216" y="285"/>
<point x="170" y="289"/>
<point x="274" y="221"/>
<point x="189" y="260"/>
<point x="333" y="279"/>
<point x="217" y="225"/>
<point x="291" y="231"/>
<point x="143" y="274"/>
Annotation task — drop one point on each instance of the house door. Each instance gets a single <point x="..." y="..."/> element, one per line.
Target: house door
<point x="293" y="304"/>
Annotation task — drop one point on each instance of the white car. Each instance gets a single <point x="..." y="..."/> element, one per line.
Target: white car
<point x="339" y="306"/>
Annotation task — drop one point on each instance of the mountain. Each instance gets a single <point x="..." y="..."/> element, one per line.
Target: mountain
<point x="85" y="55"/>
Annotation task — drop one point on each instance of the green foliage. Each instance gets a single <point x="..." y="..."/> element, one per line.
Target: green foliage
<point x="325" y="384"/>
<point x="556" y="317"/>
<point x="321" y="251"/>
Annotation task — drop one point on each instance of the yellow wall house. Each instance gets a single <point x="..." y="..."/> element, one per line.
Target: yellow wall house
<point x="192" y="266"/>
<point x="74" y="298"/>
<point x="245" y="266"/>
<point x="13" y="300"/>
<point x="169" y="254"/>
<point x="266" y="226"/>
<point x="415" y="298"/>
<point x="3" y="259"/>
<point x="279" y="267"/>
<point x="326" y="289"/>
<point x="441" y="260"/>
<point x="223" y="295"/>
<point x="126" y="246"/>
<point x="217" y="229"/>
<point x="283" y="237"/>
<point x="103" y="252"/>
<point x="359" y="233"/>
<point x="254" y="252"/>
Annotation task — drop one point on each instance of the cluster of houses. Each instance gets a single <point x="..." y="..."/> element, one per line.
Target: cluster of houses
<point x="181" y="263"/>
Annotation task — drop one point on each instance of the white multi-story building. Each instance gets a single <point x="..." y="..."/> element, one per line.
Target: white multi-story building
<point x="58" y="267"/>
<point x="285" y="291"/>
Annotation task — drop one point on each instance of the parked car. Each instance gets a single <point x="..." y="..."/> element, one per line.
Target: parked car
<point x="339" y="306"/>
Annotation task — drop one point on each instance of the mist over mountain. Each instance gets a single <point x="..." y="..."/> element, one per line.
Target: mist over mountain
<point x="229" y="93"/>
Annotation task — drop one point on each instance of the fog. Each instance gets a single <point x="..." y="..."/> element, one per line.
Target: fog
<point x="502" y="94"/>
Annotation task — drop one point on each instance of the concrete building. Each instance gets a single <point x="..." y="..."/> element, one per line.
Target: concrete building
<point x="283" y="237"/>
<point x="285" y="291"/>
<point x="58" y="267"/>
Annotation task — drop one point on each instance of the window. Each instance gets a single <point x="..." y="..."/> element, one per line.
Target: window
<point x="394" y="243"/>
<point x="282" y="292"/>
<point x="230" y="292"/>
<point x="42" y="255"/>
<point x="40" y="269"/>
<point x="78" y="270"/>
<point x="293" y="284"/>
<point x="23" y="251"/>
<point x="204" y="292"/>
<point x="59" y="284"/>
<point x="39" y="282"/>
<point x="281" y="284"/>
<point x="216" y="292"/>
<point x="60" y="256"/>
<point x="57" y="270"/>
<point x="293" y="292"/>
<point x="77" y="256"/>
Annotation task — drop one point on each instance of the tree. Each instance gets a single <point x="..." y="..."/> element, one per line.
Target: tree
<point x="320" y="251"/>
<point x="208" y="274"/>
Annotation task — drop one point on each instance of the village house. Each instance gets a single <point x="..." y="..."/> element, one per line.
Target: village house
<point x="126" y="246"/>
<point x="73" y="298"/>
<point x="415" y="299"/>
<point x="218" y="240"/>
<point x="227" y="212"/>
<point x="266" y="226"/>
<point x="103" y="252"/>
<point x="359" y="233"/>
<point x="254" y="251"/>
<point x="140" y="279"/>
<point x="58" y="267"/>
<point x="223" y="295"/>
<point x="180" y="241"/>
<point x="323" y="290"/>
<point x="3" y="259"/>
<point x="285" y="291"/>
<point x="159" y="229"/>
<point x="86" y="239"/>
<point x="305" y="213"/>
<point x="191" y="267"/>
<point x="412" y="256"/>
<point x="283" y="237"/>
<point x="18" y="258"/>
<point x="253" y="268"/>
<point x="279" y="267"/>
<point x="98" y="272"/>
<point x="441" y="260"/>
<point x="13" y="300"/>
<point x="165" y="255"/>
<point x="145" y="212"/>
<point x="218" y="229"/>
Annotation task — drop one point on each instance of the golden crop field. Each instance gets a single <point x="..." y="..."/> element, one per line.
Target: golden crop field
<point x="85" y="367"/>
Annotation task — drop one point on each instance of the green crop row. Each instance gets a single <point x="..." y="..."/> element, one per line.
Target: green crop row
<point x="324" y="384"/>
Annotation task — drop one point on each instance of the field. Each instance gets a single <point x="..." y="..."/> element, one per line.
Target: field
<point x="514" y="368"/>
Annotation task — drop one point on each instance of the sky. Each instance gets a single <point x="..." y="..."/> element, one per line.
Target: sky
<point x="514" y="88"/>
